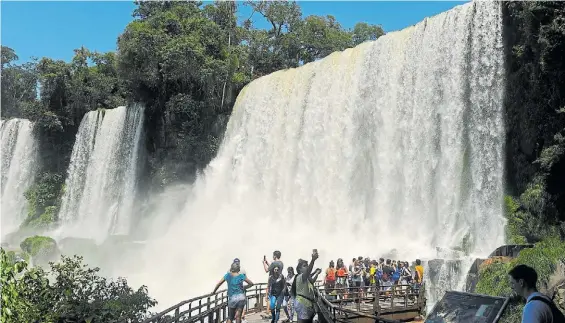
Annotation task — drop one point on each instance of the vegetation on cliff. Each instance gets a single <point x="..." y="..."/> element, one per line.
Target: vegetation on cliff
<point x="535" y="119"/>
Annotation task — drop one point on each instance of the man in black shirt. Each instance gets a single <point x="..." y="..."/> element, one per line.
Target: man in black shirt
<point x="276" y="286"/>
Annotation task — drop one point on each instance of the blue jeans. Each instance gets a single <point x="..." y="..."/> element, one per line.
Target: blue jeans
<point x="275" y="302"/>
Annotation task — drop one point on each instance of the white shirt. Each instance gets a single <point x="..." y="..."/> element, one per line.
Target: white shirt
<point x="537" y="311"/>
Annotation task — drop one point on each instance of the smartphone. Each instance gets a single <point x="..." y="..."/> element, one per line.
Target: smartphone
<point x="315" y="251"/>
<point x="264" y="258"/>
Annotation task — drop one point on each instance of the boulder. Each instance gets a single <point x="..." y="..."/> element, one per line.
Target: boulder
<point x="41" y="249"/>
<point x="502" y="254"/>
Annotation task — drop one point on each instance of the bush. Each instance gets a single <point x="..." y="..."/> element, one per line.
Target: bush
<point x="76" y="293"/>
<point x="38" y="245"/>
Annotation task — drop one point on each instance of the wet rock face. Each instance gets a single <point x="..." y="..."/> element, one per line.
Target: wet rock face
<point x="501" y="254"/>
<point x="559" y="296"/>
<point x="441" y="275"/>
<point x="511" y="251"/>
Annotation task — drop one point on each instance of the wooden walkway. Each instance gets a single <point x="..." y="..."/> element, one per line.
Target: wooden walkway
<point x="399" y="304"/>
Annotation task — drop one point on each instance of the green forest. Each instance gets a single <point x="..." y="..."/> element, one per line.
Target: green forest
<point x="186" y="63"/>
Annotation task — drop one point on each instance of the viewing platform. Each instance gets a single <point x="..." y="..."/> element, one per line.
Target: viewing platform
<point x="401" y="303"/>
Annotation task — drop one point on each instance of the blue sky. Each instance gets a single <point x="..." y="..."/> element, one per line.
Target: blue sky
<point x="54" y="29"/>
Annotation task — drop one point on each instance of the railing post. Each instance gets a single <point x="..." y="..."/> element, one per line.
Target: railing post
<point x="177" y="315"/>
<point x="217" y="312"/>
<point x="392" y="297"/>
<point x="210" y="313"/>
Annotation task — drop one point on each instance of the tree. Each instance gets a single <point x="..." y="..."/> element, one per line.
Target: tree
<point x="184" y="62"/>
<point x="321" y="36"/>
<point x="76" y="294"/>
<point x="363" y="32"/>
<point x="19" y="83"/>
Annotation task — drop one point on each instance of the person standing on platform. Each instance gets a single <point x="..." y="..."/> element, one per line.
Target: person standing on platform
<point x="236" y="292"/>
<point x="277" y="287"/>
<point x="269" y="269"/>
<point x="303" y="289"/>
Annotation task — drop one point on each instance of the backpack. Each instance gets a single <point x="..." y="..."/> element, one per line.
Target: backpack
<point x="379" y="274"/>
<point x="330" y="274"/>
<point x="558" y="317"/>
<point x="396" y="275"/>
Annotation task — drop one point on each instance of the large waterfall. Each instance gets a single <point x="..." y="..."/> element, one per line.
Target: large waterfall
<point x="392" y="147"/>
<point x="101" y="183"/>
<point x="19" y="167"/>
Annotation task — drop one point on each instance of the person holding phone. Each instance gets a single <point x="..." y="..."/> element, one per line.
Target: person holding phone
<point x="269" y="269"/>
<point x="303" y="290"/>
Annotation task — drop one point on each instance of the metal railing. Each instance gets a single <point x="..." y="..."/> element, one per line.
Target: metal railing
<point x="211" y="308"/>
<point x="337" y="305"/>
<point x="352" y="303"/>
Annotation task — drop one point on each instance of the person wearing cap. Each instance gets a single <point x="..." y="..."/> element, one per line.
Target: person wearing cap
<point x="241" y="271"/>
<point x="236" y="292"/>
<point x="237" y="261"/>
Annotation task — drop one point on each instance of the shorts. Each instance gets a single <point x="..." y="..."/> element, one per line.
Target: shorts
<point x="358" y="283"/>
<point x="237" y="301"/>
<point x="276" y="302"/>
<point x="304" y="311"/>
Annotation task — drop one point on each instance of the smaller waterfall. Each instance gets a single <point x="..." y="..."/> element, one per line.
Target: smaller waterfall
<point x="19" y="166"/>
<point x="442" y="275"/>
<point x="101" y="182"/>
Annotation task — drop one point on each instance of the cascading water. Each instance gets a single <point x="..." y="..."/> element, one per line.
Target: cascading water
<point x="395" y="144"/>
<point x="19" y="167"/>
<point x="101" y="183"/>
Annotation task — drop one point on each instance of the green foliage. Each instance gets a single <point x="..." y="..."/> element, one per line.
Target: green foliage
<point x="18" y="83"/>
<point x="535" y="148"/>
<point x="38" y="245"/>
<point x="76" y="293"/>
<point x="43" y="200"/>
<point x="516" y="221"/>
<point x="363" y="32"/>
<point x="14" y="256"/>
<point x="493" y="279"/>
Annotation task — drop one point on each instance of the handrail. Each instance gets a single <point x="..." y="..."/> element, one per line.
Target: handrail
<point x="212" y="308"/>
<point x="331" y="311"/>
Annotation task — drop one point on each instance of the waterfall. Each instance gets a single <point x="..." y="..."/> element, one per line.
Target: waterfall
<point x="394" y="144"/>
<point x="101" y="182"/>
<point x="19" y="167"/>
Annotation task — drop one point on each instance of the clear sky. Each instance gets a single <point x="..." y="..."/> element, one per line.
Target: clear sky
<point x="54" y="29"/>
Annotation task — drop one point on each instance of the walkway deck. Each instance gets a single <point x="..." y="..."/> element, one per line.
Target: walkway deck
<point x="399" y="304"/>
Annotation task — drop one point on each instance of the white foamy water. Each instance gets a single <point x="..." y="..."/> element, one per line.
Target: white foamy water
<point x="395" y="144"/>
<point x="19" y="168"/>
<point x="101" y="183"/>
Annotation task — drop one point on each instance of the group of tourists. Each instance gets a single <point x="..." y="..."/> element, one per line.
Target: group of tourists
<point x="293" y="293"/>
<point x="365" y="275"/>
